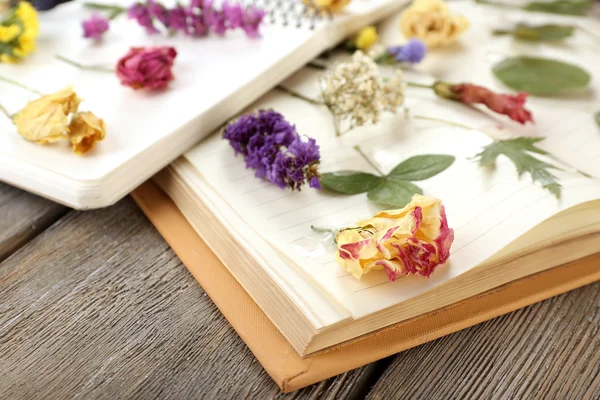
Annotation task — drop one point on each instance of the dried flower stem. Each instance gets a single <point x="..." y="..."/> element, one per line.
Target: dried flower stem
<point x="5" y="112"/>
<point x="12" y="82"/>
<point x="498" y="4"/>
<point x="84" y="67"/>
<point x="367" y="159"/>
<point x="300" y="96"/>
<point x="566" y="164"/>
<point x="443" y="121"/>
<point x="114" y="10"/>
<point x="318" y="229"/>
<point x="419" y="85"/>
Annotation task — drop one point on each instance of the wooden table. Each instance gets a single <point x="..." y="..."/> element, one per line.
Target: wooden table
<point x="96" y="305"/>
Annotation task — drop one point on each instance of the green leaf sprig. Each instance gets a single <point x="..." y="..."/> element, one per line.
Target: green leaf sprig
<point x="538" y="33"/>
<point x="540" y="76"/>
<point x="520" y="151"/>
<point x="564" y="7"/>
<point x="396" y="188"/>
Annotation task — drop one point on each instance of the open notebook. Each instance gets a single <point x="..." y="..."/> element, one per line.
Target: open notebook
<point x="215" y="78"/>
<point x="505" y="228"/>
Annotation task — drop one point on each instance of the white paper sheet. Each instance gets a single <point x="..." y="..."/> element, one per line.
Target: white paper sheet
<point x="487" y="209"/>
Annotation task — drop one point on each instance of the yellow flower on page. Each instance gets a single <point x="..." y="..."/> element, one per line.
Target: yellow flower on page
<point x="432" y="22"/>
<point x="26" y="45"/>
<point x="85" y="130"/>
<point x="18" y="31"/>
<point x="413" y="240"/>
<point x="8" y="59"/>
<point x="366" y="38"/>
<point x="9" y="33"/>
<point x="46" y="119"/>
<point x="27" y="14"/>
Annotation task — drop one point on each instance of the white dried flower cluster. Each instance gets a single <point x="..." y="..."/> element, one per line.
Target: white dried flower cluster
<point x="393" y="93"/>
<point x="354" y="91"/>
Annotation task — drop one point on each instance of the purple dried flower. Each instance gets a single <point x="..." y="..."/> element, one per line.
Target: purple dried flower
<point x="252" y="21"/>
<point x="158" y="11"/>
<point x="95" y="26"/>
<point x="272" y="147"/>
<point x="198" y="18"/>
<point x="217" y="21"/>
<point x="234" y="14"/>
<point x="412" y="51"/>
<point x="141" y="13"/>
<point x="177" y="19"/>
<point x="201" y="4"/>
<point x="197" y="24"/>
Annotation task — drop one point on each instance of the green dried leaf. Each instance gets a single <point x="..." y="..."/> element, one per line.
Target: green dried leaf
<point x="565" y="7"/>
<point x="519" y="152"/>
<point x="540" y="76"/>
<point x="350" y="182"/>
<point x="537" y="33"/>
<point x="394" y="192"/>
<point x="421" y="167"/>
<point x="393" y="189"/>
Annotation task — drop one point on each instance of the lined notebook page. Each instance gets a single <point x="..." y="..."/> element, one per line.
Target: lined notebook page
<point x="488" y="209"/>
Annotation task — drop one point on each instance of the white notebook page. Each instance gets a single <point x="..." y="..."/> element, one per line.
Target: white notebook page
<point x="215" y="77"/>
<point x="487" y="209"/>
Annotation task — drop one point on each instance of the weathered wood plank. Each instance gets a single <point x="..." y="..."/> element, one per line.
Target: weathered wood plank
<point x="549" y="350"/>
<point x="98" y="306"/>
<point x="23" y="216"/>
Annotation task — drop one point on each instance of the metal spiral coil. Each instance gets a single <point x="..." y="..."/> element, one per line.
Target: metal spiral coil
<point x="297" y="13"/>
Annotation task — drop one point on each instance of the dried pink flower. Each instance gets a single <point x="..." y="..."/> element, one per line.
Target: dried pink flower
<point x="512" y="106"/>
<point x="146" y="68"/>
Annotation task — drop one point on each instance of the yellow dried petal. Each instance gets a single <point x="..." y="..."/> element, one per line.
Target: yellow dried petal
<point x="366" y="38"/>
<point x="85" y="130"/>
<point x="8" y="59"/>
<point x="45" y="120"/>
<point x="26" y="13"/>
<point x="25" y="46"/>
<point x="432" y="22"/>
<point x="9" y="33"/>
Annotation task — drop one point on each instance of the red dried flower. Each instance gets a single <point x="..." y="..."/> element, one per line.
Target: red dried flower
<point x="512" y="106"/>
<point x="149" y="68"/>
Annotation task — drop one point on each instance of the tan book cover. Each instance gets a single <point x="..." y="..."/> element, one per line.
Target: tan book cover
<point x="284" y="365"/>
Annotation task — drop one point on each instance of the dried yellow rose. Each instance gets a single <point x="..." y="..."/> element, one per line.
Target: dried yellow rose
<point x="414" y="240"/>
<point x="85" y="130"/>
<point x="432" y="22"/>
<point x="46" y="119"/>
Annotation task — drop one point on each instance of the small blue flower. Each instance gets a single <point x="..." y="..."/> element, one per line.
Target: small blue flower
<point x="411" y="52"/>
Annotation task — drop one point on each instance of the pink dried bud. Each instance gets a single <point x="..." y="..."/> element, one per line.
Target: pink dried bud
<point x="147" y="68"/>
<point x="512" y="106"/>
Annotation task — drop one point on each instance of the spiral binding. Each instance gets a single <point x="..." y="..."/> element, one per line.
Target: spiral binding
<point x="297" y="13"/>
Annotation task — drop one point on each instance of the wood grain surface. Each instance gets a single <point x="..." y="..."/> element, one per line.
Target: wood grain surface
<point x="549" y="350"/>
<point x="98" y="306"/>
<point x="95" y="305"/>
<point x="23" y="216"/>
